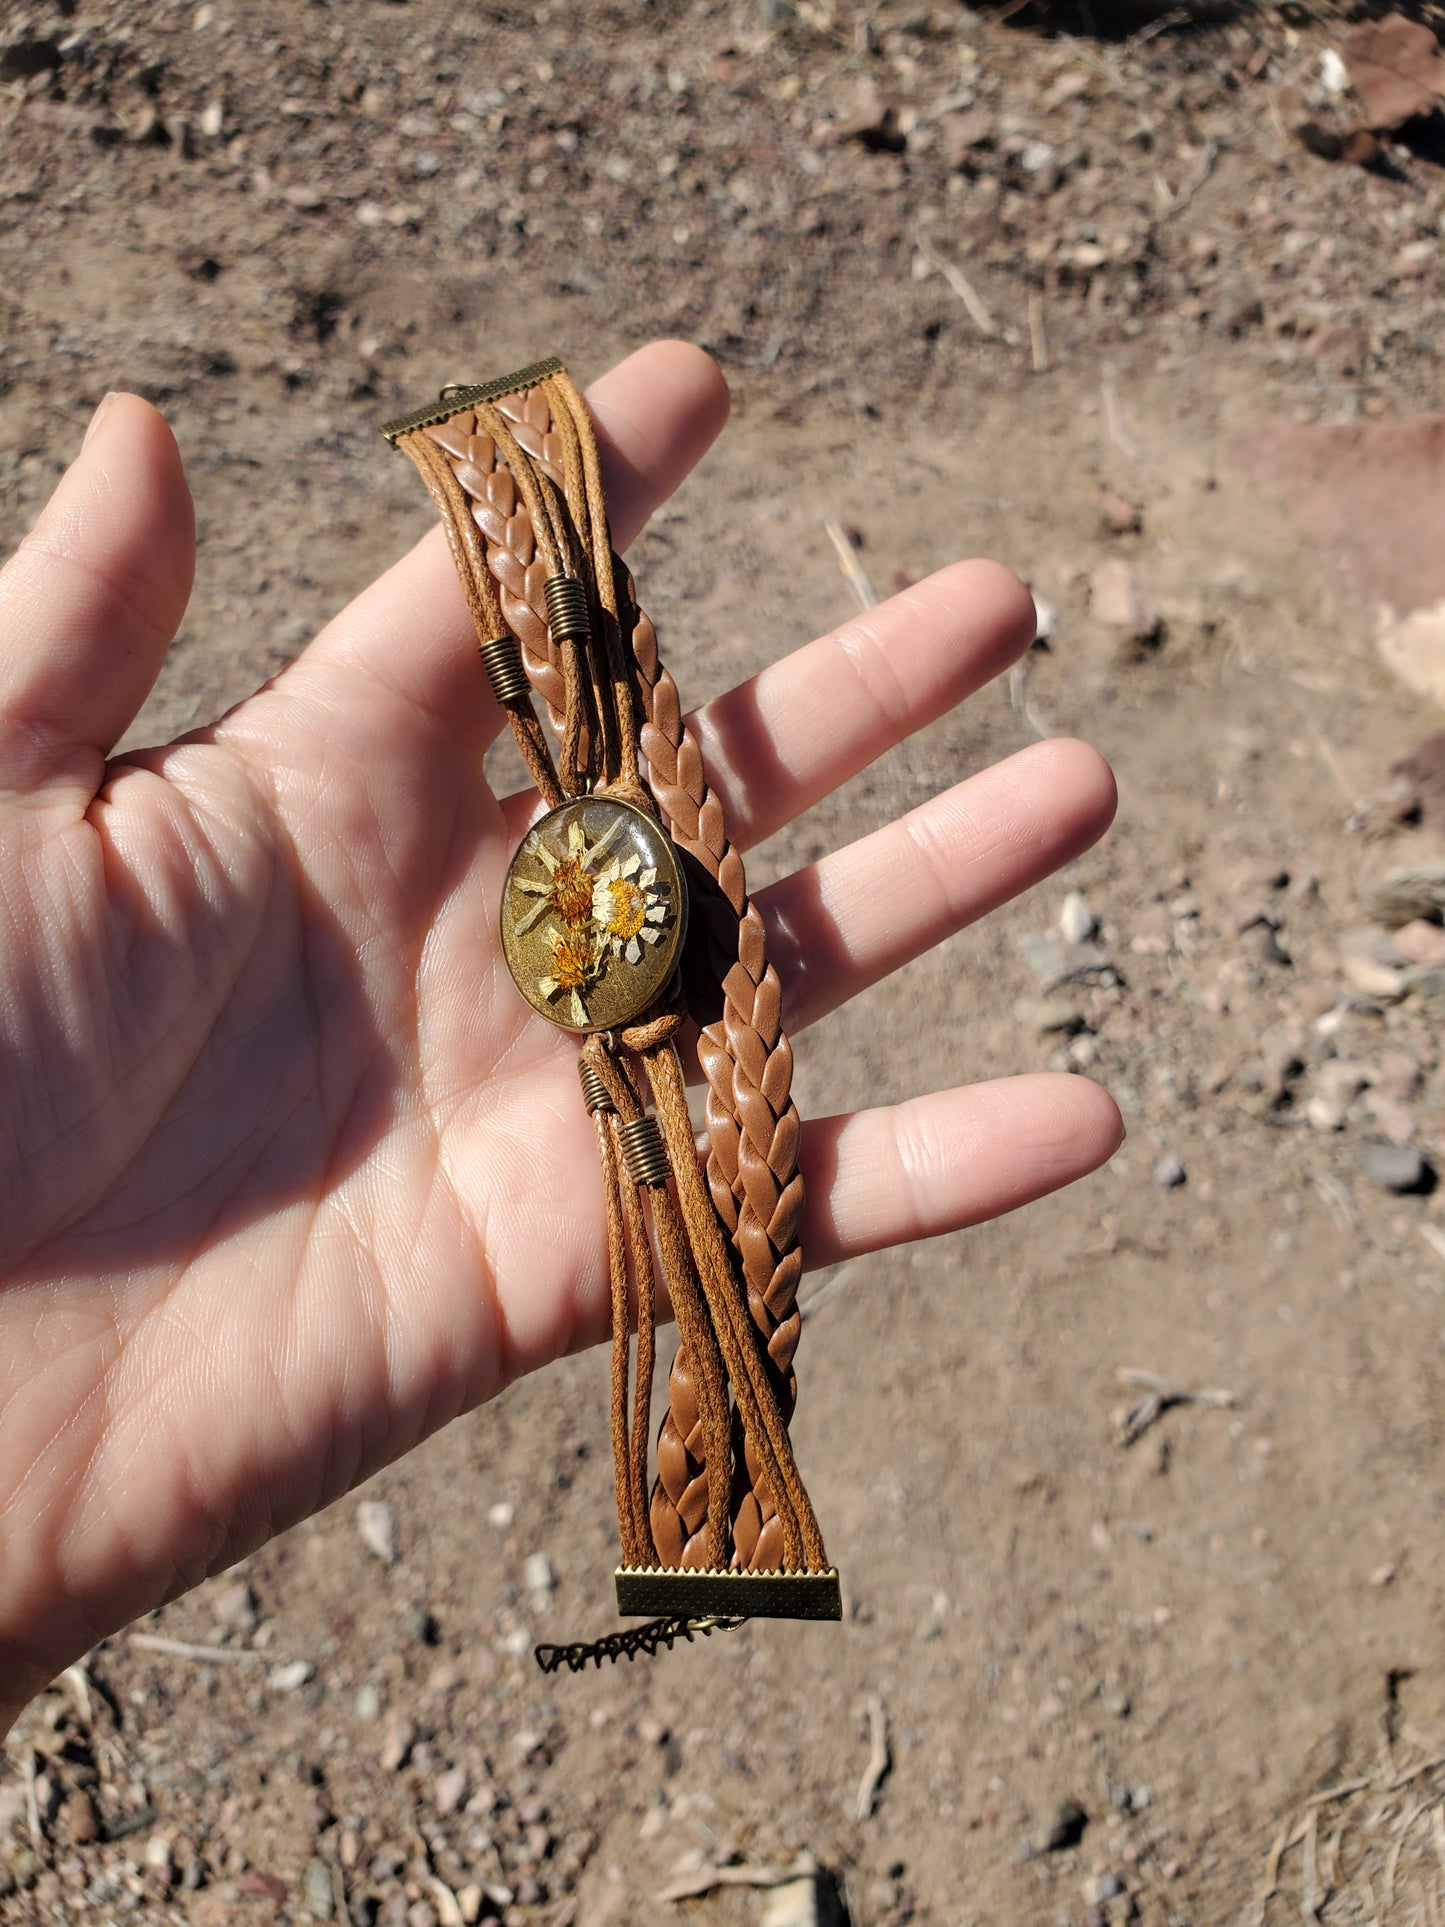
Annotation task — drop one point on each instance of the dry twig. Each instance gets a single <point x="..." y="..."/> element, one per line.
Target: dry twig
<point x="184" y="1649"/>
<point x="854" y="573"/>
<point x="1159" y="1397"/>
<point x="32" y="1804"/>
<point x="967" y="293"/>
<point x="1038" y="341"/>
<point x="878" y="1758"/>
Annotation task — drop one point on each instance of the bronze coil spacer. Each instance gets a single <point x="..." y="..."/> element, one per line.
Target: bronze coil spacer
<point x="567" y="612"/>
<point x="502" y="660"/>
<point x="594" y="1091"/>
<point x="643" y="1152"/>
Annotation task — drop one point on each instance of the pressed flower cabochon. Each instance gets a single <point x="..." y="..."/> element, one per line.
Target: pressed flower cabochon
<point x="593" y="914"/>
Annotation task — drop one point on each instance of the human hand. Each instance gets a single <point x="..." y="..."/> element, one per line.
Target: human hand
<point x="291" y="1175"/>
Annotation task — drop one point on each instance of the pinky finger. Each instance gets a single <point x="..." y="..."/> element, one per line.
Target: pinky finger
<point x="937" y="1163"/>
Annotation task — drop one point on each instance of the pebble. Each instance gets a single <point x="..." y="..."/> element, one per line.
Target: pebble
<point x="290" y="1676"/>
<point x="235" y="1607"/>
<point x="79" y="1821"/>
<point x="368" y="1702"/>
<point x="1119" y="1706"/>
<point x="1119" y="516"/>
<point x="1396" y="1121"/>
<point x="450" y="1790"/>
<point x="1169" y="1172"/>
<point x="317" y="1894"/>
<point x="396" y="1746"/>
<point x="469" y="1902"/>
<point x="1100" y="1887"/>
<point x="1116" y="599"/>
<point x="794" y="1904"/>
<point x="537" y="1574"/>
<point x="501" y="1515"/>
<point x="1077" y="922"/>
<point x="1062" y="1827"/>
<point x="159" y="1857"/>
<point x="422" y="1625"/>
<point x="1396" y="1167"/>
<point x="376" y="1524"/>
<point x="1421" y="942"/>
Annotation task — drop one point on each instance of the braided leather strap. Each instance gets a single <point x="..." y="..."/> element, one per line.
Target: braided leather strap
<point x="753" y="1125"/>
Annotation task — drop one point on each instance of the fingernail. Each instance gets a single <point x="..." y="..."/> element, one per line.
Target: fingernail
<point x="98" y="417"/>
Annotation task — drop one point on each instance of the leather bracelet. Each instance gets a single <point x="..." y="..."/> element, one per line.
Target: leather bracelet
<point x="625" y="919"/>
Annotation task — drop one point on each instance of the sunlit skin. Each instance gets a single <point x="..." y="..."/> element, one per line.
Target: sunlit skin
<point x="291" y="1174"/>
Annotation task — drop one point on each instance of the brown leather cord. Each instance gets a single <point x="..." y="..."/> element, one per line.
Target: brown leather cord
<point x="528" y="470"/>
<point x="481" y="598"/>
<point x="640" y="1437"/>
<point x="580" y="718"/>
<point x="618" y="1273"/>
<point x="583" y="470"/>
<point x="763" y="1422"/>
<point x="691" y="1500"/>
<point x="753" y="1126"/>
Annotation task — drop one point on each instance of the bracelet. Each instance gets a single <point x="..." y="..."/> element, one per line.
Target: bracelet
<point x="625" y="919"/>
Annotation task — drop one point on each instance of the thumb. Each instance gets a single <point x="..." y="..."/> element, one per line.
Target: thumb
<point x="91" y="599"/>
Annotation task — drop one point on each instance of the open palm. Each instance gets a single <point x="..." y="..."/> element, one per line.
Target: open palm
<point x="291" y="1174"/>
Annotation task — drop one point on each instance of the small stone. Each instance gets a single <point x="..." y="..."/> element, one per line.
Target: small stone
<point x="1119" y="517"/>
<point x="1117" y="600"/>
<point x="1394" y="1120"/>
<point x="213" y="119"/>
<point x="304" y="196"/>
<point x="1077" y="922"/>
<point x="376" y="1524"/>
<point x="1421" y="942"/>
<point x="1063" y="1827"/>
<point x="1169" y="1172"/>
<point x="1397" y="1167"/>
<point x="290" y="1676"/>
<point x="1141" y="1796"/>
<point x="450" y="1790"/>
<point x="368" y="1702"/>
<point x="537" y="1575"/>
<point x="1100" y="1887"/>
<point x="422" y="1625"/>
<point x="501" y="1515"/>
<point x="235" y="1607"/>
<point x="1118" y="1706"/>
<point x="159" y="1857"/>
<point x="421" y="1913"/>
<point x="396" y="1747"/>
<point x="79" y="1821"/>
<point x="1382" y="1575"/>
<point x="469" y="1902"/>
<point x="794" y="1904"/>
<point x="317" y="1893"/>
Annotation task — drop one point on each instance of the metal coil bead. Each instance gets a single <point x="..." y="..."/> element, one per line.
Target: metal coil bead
<point x="594" y="1091"/>
<point x="502" y="660"/>
<point x="567" y="613"/>
<point x="643" y="1152"/>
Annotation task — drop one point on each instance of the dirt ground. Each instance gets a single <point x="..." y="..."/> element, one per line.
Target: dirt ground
<point x="963" y="270"/>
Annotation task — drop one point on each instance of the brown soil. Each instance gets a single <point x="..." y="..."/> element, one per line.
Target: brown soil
<point x="285" y="223"/>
